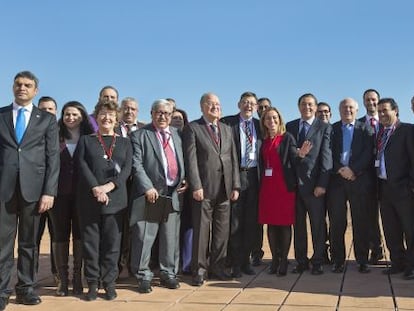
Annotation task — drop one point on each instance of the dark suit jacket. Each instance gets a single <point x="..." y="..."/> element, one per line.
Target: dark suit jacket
<point x="35" y="161"/>
<point x="313" y="170"/>
<point x="234" y="123"/>
<point x="148" y="168"/>
<point x="206" y="163"/>
<point x="94" y="169"/>
<point x="399" y="159"/>
<point x="361" y="157"/>
<point x="68" y="172"/>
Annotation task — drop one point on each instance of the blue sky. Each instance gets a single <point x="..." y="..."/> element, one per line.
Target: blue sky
<point x="155" y="49"/>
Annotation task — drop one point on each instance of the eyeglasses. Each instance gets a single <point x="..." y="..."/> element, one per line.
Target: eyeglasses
<point x="248" y="102"/>
<point x="212" y="104"/>
<point x="162" y="113"/>
<point x="325" y="111"/>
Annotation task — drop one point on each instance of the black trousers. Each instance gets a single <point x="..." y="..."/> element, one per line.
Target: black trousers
<point x="65" y="219"/>
<point x="341" y="192"/>
<point x="315" y="208"/>
<point x="243" y="219"/>
<point x="101" y="237"/>
<point x="396" y="203"/>
<point x="18" y="216"/>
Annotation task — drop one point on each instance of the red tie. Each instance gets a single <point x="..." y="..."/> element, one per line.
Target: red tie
<point x="373" y="123"/>
<point x="172" y="169"/>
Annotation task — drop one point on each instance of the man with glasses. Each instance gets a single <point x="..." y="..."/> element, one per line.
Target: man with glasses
<point x="158" y="174"/>
<point x="324" y="112"/>
<point x="212" y="172"/>
<point x="244" y="226"/>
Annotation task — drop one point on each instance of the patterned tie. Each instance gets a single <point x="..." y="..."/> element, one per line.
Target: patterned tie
<point x="249" y="141"/>
<point x="346" y="143"/>
<point x="302" y="133"/>
<point x="216" y="136"/>
<point x="382" y="141"/>
<point x="172" y="169"/>
<point x="20" y="124"/>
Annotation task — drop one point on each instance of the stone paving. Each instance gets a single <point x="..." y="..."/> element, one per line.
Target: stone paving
<point x="347" y="291"/>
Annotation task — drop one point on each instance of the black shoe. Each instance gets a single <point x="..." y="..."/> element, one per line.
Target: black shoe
<point x="29" y="299"/>
<point x="317" y="269"/>
<point x="283" y="267"/>
<point x="197" y="280"/>
<point x="247" y="269"/>
<point x="4" y="301"/>
<point x="300" y="268"/>
<point x="144" y="287"/>
<point x="393" y="270"/>
<point x="171" y="283"/>
<point x="110" y="293"/>
<point x="408" y="274"/>
<point x="220" y="275"/>
<point x="256" y="261"/>
<point x="363" y="268"/>
<point x="92" y="293"/>
<point x="375" y="257"/>
<point x="338" y="268"/>
<point x="236" y="272"/>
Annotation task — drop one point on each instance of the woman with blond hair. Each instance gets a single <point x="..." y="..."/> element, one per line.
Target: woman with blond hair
<point x="278" y="185"/>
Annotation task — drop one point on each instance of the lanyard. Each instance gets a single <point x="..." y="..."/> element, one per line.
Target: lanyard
<point x="273" y="141"/>
<point x="248" y="131"/>
<point x="108" y="151"/>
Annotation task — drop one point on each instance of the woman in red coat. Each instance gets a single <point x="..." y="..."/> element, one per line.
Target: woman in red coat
<point x="278" y="183"/>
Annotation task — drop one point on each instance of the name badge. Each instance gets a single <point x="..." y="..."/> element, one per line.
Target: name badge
<point x="252" y="156"/>
<point x="377" y="163"/>
<point x="269" y="172"/>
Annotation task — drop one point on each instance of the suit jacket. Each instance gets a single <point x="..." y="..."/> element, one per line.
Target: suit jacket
<point x="34" y="162"/>
<point x="234" y="123"/>
<point x="361" y="156"/>
<point x="68" y="172"/>
<point x="399" y="159"/>
<point x="148" y="168"/>
<point x="206" y="162"/>
<point x="313" y="170"/>
<point x="94" y="170"/>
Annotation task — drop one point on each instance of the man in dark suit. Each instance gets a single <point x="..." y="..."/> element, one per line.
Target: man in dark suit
<point x="212" y="172"/>
<point x="158" y="169"/>
<point x="371" y="98"/>
<point x="313" y="177"/>
<point x="128" y="124"/>
<point x="29" y="166"/>
<point x="243" y="218"/>
<point x="352" y="152"/>
<point x="395" y="170"/>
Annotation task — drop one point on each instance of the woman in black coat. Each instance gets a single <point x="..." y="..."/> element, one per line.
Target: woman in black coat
<point x="105" y="160"/>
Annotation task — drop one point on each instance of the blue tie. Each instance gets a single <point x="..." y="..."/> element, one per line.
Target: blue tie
<point x="20" y="124"/>
<point x="346" y="143"/>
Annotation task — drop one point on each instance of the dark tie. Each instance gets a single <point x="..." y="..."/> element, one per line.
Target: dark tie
<point x="346" y="143"/>
<point x="20" y="124"/>
<point x="249" y="141"/>
<point x="128" y="129"/>
<point x="302" y="133"/>
<point x="172" y="169"/>
<point x="216" y="136"/>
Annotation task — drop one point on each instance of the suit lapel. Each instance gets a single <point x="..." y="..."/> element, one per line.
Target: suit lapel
<point x="177" y="145"/>
<point x="35" y="118"/>
<point x="313" y="129"/>
<point x="204" y="128"/>
<point x="153" y="138"/>
<point x="8" y="120"/>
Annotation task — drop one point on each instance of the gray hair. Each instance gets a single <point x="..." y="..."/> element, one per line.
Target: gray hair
<point x="348" y="99"/>
<point x="161" y="103"/>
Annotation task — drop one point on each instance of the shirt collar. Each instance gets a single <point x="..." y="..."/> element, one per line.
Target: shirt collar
<point x="310" y="121"/>
<point x="28" y="107"/>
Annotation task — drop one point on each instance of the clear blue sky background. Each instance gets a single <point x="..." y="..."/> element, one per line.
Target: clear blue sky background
<point x="153" y="49"/>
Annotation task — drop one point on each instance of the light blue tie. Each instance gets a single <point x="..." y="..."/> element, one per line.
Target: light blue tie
<point x="346" y="143"/>
<point x="20" y="124"/>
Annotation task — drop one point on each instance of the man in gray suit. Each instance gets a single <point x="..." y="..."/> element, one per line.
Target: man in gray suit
<point x="313" y="177"/>
<point x="158" y="176"/>
<point x="212" y="172"/>
<point x="29" y="166"/>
